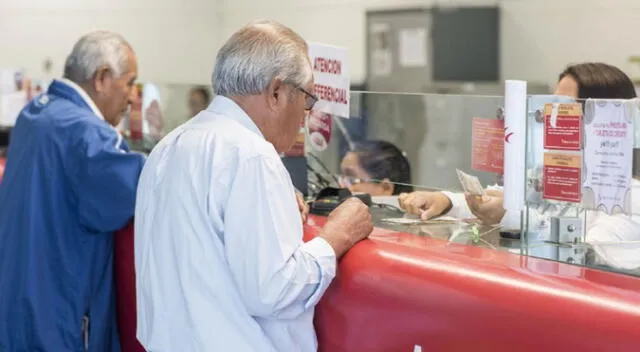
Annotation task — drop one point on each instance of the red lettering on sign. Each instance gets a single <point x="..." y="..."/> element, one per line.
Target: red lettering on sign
<point x="331" y="66"/>
<point x="336" y="95"/>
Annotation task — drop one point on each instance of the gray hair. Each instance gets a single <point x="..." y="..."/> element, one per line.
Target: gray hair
<point x="93" y="51"/>
<point x="257" y="54"/>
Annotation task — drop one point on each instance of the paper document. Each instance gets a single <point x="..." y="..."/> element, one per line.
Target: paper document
<point x="413" y="47"/>
<point x="381" y="56"/>
<point x="470" y="184"/>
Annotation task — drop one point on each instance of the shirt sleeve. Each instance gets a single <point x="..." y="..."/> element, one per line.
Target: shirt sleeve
<point x="278" y="275"/>
<point x="459" y="208"/>
<point x="107" y="180"/>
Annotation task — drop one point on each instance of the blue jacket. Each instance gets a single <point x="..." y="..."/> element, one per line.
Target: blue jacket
<point x="69" y="183"/>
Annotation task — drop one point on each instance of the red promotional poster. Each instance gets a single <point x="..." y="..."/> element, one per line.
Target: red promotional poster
<point x="562" y="177"/>
<point x="487" y="145"/>
<point x="319" y="130"/>
<point x="562" y="126"/>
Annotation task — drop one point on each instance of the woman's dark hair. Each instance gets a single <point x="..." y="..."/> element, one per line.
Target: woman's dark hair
<point x="597" y="80"/>
<point x="204" y="93"/>
<point x="382" y="160"/>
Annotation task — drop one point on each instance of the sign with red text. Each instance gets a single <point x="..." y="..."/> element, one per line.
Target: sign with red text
<point x="562" y="177"/>
<point x="562" y="126"/>
<point x="608" y="153"/>
<point x="487" y="145"/>
<point x="331" y="75"/>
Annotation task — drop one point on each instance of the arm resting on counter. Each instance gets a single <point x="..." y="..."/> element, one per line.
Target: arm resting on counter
<point x="277" y="274"/>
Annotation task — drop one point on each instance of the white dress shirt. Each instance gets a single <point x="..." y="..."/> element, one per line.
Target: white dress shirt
<point x="220" y="262"/>
<point x="614" y="238"/>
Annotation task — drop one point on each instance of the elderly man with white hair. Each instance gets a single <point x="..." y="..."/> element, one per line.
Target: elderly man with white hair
<point x="220" y="261"/>
<point x="69" y="183"/>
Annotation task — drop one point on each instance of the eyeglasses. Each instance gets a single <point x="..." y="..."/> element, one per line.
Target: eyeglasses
<point x="310" y="99"/>
<point x="348" y="181"/>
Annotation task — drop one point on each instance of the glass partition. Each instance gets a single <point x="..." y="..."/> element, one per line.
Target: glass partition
<point x="581" y="206"/>
<point x="582" y="192"/>
<point x="172" y="108"/>
<point x="569" y="213"/>
<point x="435" y="133"/>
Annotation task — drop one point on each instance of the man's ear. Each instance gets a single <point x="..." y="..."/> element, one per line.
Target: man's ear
<point x="276" y="94"/>
<point x="102" y="78"/>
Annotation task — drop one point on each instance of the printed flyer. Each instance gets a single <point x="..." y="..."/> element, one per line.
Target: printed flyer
<point x="608" y="154"/>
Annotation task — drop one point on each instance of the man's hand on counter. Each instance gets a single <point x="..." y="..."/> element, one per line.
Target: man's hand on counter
<point x="427" y="205"/>
<point x="347" y="225"/>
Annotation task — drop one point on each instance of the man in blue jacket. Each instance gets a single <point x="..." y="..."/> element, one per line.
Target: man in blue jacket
<point x="69" y="183"/>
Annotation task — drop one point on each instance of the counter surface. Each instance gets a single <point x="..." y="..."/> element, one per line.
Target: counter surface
<point x="398" y="290"/>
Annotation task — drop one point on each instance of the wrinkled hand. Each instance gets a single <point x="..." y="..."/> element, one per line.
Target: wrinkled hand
<point x="354" y="217"/>
<point x="488" y="210"/>
<point x="302" y="207"/>
<point x="347" y="225"/>
<point x="427" y="205"/>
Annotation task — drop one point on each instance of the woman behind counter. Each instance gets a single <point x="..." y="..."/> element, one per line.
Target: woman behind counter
<point x="376" y="167"/>
<point x="581" y="81"/>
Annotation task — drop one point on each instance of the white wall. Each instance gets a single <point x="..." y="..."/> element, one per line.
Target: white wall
<point x="538" y="37"/>
<point x="175" y="41"/>
<point x="336" y="22"/>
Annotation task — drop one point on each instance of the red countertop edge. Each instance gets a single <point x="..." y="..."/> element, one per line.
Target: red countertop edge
<point x="446" y="297"/>
<point x="441" y="294"/>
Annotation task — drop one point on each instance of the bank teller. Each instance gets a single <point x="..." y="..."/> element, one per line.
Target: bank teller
<point x="376" y="167"/>
<point x="607" y="234"/>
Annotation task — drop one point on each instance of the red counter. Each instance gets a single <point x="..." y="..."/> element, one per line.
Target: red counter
<point x="125" y="282"/>
<point x="397" y="291"/>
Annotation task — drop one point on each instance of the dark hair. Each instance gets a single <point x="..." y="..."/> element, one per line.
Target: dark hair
<point x="598" y="80"/>
<point x="382" y="160"/>
<point x="204" y="93"/>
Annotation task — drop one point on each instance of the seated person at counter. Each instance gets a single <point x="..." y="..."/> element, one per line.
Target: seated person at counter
<point x="219" y="257"/>
<point x="378" y="168"/>
<point x="581" y="81"/>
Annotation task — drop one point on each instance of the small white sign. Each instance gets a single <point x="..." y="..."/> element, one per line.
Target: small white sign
<point x="10" y="106"/>
<point x="331" y="74"/>
<point x="608" y="153"/>
<point x="380" y="42"/>
<point x="413" y="47"/>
